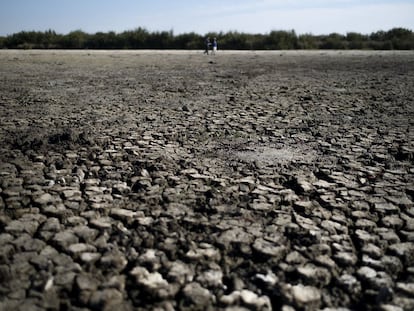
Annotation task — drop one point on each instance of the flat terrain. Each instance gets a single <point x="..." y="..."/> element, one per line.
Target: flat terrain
<point x="135" y="180"/>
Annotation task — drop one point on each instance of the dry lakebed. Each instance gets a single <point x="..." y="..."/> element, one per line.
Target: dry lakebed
<point x="173" y="180"/>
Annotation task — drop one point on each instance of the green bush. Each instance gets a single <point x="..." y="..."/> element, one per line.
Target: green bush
<point x="140" y="38"/>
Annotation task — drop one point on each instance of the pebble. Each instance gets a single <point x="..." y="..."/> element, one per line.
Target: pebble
<point x="269" y="249"/>
<point x="211" y="278"/>
<point x="153" y="283"/>
<point x="314" y="275"/>
<point x="366" y="273"/>
<point x="181" y="273"/>
<point x="305" y="297"/>
<point x="77" y="248"/>
<point x="350" y="284"/>
<point x="107" y="299"/>
<point x="196" y="296"/>
<point x="64" y="239"/>
<point x="405" y="251"/>
<point x="247" y="298"/>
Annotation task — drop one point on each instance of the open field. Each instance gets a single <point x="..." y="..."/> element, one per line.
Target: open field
<point x="135" y="180"/>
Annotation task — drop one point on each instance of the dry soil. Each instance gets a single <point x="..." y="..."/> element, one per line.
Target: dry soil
<point x="135" y="180"/>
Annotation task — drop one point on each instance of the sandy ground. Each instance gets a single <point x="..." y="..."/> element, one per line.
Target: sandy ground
<point x="136" y="180"/>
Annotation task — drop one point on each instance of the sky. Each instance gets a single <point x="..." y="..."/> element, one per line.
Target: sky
<point x="184" y="16"/>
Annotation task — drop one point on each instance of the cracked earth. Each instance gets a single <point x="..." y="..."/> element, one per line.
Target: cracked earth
<point x="141" y="180"/>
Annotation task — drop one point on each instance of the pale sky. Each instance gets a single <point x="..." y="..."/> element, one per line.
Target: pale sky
<point x="181" y="16"/>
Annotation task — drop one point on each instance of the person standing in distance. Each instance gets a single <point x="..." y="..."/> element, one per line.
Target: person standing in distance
<point x="207" y="44"/>
<point x="214" y="45"/>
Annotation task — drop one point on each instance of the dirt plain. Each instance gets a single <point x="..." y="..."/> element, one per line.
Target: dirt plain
<point x="136" y="180"/>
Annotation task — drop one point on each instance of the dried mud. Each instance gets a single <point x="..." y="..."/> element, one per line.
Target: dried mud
<point x="135" y="180"/>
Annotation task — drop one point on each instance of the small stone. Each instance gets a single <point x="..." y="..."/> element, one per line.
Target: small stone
<point x="270" y="278"/>
<point x="76" y="221"/>
<point x="117" y="282"/>
<point x="406" y="302"/>
<point x="303" y="207"/>
<point x="57" y="210"/>
<point x="106" y="300"/>
<point x="269" y="249"/>
<point x="101" y="223"/>
<point x="405" y="251"/>
<point x="77" y="248"/>
<point x="123" y="214"/>
<point x="295" y="258"/>
<point x="85" y="233"/>
<point x="209" y="253"/>
<point x="373" y="251"/>
<point x="49" y="284"/>
<point x="373" y="263"/>
<point x="406" y="288"/>
<point x="28" y="244"/>
<point x="86" y="283"/>
<point x="388" y="307"/>
<point x="345" y="258"/>
<point x="385" y="208"/>
<point x="44" y="199"/>
<point x="114" y="260"/>
<point x="145" y="221"/>
<point x="7" y="251"/>
<point x="364" y="237"/>
<point x="65" y="238"/>
<point x="326" y="261"/>
<point x="151" y="258"/>
<point x="196" y="295"/>
<point x="304" y="185"/>
<point x="407" y="235"/>
<point x="350" y="284"/>
<point x="365" y="224"/>
<point x="230" y="299"/>
<point x="90" y="257"/>
<point x="366" y="273"/>
<point x="49" y="252"/>
<point x="234" y="235"/>
<point x="72" y="194"/>
<point x="18" y="226"/>
<point x="323" y="184"/>
<point x="261" y="206"/>
<point x="393" y="222"/>
<point x="52" y="224"/>
<point x="248" y="297"/>
<point x="251" y="299"/>
<point x="211" y="278"/>
<point x="306" y="297"/>
<point x="391" y="265"/>
<point x="5" y="274"/>
<point x="180" y="273"/>
<point x="121" y="188"/>
<point x="153" y="283"/>
<point x="314" y="275"/>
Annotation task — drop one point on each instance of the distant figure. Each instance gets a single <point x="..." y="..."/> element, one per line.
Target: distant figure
<point x="214" y="45"/>
<point x="207" y="43"/>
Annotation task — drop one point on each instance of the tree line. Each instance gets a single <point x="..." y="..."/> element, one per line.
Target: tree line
<point x="140" y="38"/>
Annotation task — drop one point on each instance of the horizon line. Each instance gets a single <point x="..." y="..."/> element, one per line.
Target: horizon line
<point x="207" y="33"/>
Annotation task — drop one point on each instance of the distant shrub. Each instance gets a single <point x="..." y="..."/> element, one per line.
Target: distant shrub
<point x="334" y="41"/>
<point x="281" y="40"/>
<point x="140" y="38"/>
<point x="308" y="41"/>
